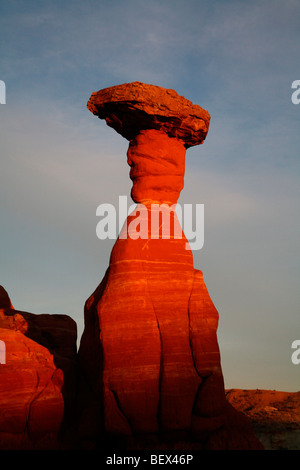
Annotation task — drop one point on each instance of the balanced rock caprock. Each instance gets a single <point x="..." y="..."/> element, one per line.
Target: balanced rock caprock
<point x="149" y="355"/>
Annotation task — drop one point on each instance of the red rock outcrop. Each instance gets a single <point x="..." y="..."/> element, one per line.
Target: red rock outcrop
<point x="149" y="354"/>
<point x="37" y="377"/>
<point x="274" y="416"/>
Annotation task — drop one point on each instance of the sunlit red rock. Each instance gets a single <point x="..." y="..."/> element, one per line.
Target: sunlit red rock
<point x="157" y="167"/>
<point x="31" y="400"/>
<point x="149" y="354"/>
<point x="37" y="378"/>
<point x="136" y="106"/>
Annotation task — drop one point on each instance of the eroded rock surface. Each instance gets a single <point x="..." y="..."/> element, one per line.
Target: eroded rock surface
<point x="37" y="377"/>
<point x="132" y="107"/>
<point x="149" y="353"/>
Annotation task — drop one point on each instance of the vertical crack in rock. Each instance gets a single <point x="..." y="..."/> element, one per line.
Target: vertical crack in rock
<point x="201" y="385"/>
<point x="190" y="339"/>
<point x="30" y="403"/>
<point x="121" y="410"/>
<point x="33" y="400"/>
<point x="160" y="377"/>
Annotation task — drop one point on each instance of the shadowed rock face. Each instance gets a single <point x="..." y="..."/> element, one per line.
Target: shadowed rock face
<point x="5" y="301"/>
<point x="149" y="354"/>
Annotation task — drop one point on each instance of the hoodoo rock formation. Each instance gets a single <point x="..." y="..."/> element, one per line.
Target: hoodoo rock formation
<point x="149" y="356"/>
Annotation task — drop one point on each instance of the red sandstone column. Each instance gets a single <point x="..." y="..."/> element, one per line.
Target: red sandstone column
<point x="149" y="350"/>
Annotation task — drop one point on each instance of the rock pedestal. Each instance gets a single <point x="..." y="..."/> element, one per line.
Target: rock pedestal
<point x="149" y="356"/>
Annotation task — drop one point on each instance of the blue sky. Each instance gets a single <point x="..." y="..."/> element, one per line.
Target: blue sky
<point x="237" y="59"/>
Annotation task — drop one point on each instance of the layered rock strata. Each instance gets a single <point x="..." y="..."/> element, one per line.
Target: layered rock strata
<point x="149" y="354"/>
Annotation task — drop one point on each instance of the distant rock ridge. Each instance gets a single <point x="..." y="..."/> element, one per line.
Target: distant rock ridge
<point x="274" y="416"/>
